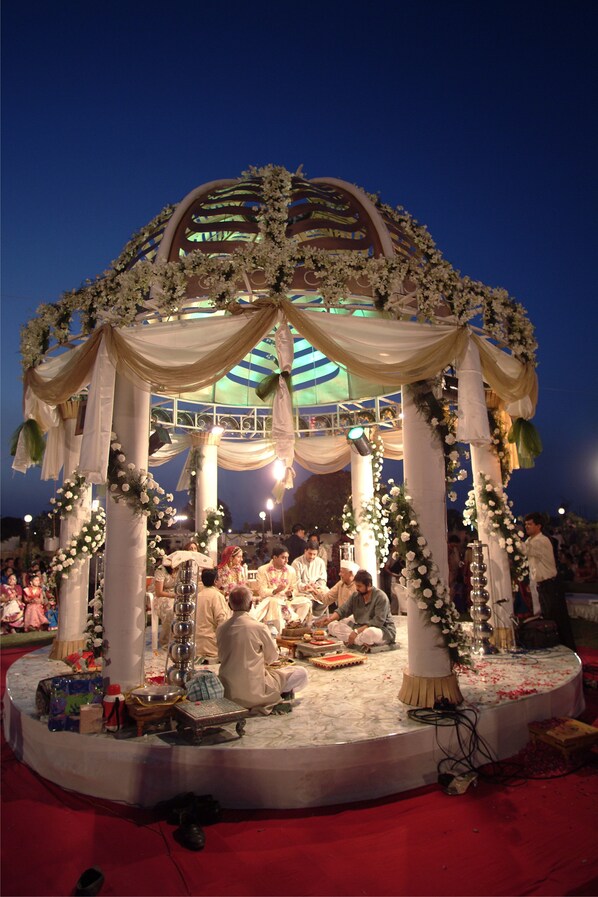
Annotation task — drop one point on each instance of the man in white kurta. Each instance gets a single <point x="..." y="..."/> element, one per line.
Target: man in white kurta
<point x="279" y="601"/>
<point x="344" y="588"/>
<point x="248" y="656"/>
<point x="311" y="576"/>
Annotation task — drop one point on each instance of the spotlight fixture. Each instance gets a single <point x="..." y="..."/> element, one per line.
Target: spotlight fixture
<point x="356" y="437"/>
<point x="159" y="437"/>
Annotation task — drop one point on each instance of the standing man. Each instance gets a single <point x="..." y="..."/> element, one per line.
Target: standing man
<point x="547" y="593"/>
<point x="248" y="658"/>
<point x="370" y="609"/>
<point x="276" y="584"/>
<point x="311" y="576"/>
<point x="296" y="543"/>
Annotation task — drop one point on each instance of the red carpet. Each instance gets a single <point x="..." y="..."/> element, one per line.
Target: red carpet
<point x="538" y="837"/>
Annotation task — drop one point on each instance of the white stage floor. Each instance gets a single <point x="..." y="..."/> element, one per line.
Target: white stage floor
<point x="348" y="737"/>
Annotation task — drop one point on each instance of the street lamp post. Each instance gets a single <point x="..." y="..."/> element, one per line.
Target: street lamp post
<point x="263" y="519"/>
<point x="270" y="507"/>
<point x="27" y="519"/>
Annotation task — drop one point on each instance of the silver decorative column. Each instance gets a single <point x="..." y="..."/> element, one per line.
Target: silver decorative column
<point x="480" y="609"/>
<point x="181" y="650"/>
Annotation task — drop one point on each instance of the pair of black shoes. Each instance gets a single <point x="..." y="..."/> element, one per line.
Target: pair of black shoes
<point x="189" y="812"/>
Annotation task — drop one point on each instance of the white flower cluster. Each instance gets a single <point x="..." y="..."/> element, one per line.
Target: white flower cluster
<point x="489" y="501"/>
<point x="373" y="516"/>
<point x="95" y="621"/>
<point x="87" y="542"/>
<point x="68" y="496"/>
<point x="421" y="575"/>
<point x="137" y="488"/>
<point x="213" y="527"/>
<point x="117" y="294"/>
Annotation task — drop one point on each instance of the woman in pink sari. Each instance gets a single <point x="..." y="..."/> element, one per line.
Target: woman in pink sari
<point x="232" y="571"/>
<point x="11" y="595"/>
<point x="33" y="595"/>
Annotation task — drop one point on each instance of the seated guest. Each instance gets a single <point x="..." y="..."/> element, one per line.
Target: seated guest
<point x="212" y="611"/>
<point x="370" y="609"/>
<point x="13" y="606"/>
<point x="231" y="569"/>
<point x="313" y="541"/>
<point x="586" y="568"/>
<point x="311" y="575"/>
<point x="278" y="601"/>
<point x="247" y="653"/>
<point x="296" y="542"/>
<point x="344" y="588"/>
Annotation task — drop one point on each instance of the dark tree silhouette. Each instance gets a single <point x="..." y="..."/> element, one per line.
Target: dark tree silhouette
<point x="319" y="501"/>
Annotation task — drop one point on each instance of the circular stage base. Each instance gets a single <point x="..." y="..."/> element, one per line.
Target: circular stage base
<point x="348" y="737"/>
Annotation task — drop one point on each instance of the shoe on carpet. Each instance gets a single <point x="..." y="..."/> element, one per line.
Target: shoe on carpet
<point x="90" y="881"/>
<point x="287" y="695"/>
<point x="191" y="835"/>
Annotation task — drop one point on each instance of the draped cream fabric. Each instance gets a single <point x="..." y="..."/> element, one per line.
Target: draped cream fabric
<point x="181" y="356"/>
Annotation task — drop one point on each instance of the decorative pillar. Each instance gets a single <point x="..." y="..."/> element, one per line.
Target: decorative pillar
<point x="73" y="592"/>
<point x="485" y="460"/>
<point x="429" y="675"/>
<point x="362" y="489"/>
<point x="126" y="548"/>
<point x="206" y="483"/>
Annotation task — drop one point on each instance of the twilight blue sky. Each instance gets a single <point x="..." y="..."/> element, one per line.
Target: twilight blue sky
<point x="479" y="118"/>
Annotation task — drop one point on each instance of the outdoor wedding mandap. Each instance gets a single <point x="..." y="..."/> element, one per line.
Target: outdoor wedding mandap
<point x="255" y="322"/>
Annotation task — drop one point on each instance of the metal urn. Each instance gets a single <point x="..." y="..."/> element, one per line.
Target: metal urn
<point x="480" y="609"/>
<point x="181" y="649"/>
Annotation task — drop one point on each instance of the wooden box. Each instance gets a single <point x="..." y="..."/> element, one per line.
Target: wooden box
<point x="194" y="718"/>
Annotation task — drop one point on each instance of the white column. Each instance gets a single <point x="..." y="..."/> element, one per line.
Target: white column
<point x="362" y="489"/>
<point x="429" y="674"/>
<point x="485" y="460"/>
<point x="126" y="548"/>
<point x="73" y="592"/>
<point x="206" y="484"/>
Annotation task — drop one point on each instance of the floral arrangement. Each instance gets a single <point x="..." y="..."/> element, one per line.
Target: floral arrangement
<point x="137" y="488"/>
<point x="118" y="294"/>
<point x="212" y="527"/>
<point x="87" y="542"/>
<point x="421" y="575"/>
<point x="373" y="512"/>
<point x="495" y="510"/>
<point x="498" y="432"/>
<point x="443" y="423"/>
<point x="95" y="621"/>
<point x="67" y="496"/>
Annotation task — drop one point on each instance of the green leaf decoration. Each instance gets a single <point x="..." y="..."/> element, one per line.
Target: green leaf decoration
<point x="527" y="441"/>
<point x="34" y="440"/>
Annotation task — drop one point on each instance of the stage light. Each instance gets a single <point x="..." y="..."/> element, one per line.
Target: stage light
<point x="159" y="437"/>
<point x="217" y="430"/>
<point x="357" y="438"/>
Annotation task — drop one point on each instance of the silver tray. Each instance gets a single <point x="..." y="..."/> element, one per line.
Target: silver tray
<point x="157" y="694"/>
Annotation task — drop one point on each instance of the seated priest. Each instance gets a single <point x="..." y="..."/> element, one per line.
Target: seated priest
<point x="344" y="588"/>
<point x="311" y="575"/>
<point x="372" y="621"/>
<point x="278" y="601"/>
<point x="249" y="658"/>
<point x="212" y="611"/>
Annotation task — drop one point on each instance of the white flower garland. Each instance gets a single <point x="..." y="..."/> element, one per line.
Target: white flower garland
<point x="213" y="527"/>
<point x="68" y="496"/>
<point x="95" y="621"/>
<point x="87" y="542"/>
<point x="497" y="517"/>
<point x="137" y="488"/>
<point x="421" y="575"/>
<point x="118" y="294"/>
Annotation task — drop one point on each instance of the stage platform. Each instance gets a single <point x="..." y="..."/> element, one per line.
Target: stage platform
<point x="348" y="737"/>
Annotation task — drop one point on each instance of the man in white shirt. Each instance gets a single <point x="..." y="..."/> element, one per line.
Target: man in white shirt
<point x="344" y="588"/>
<point x="311" y="576"/>
<point x="279" y="601"/>
<point x="547" y="593"/>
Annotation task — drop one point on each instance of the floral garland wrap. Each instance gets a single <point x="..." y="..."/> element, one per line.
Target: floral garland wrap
<point x="498" y="432"/>
<point x="138" y="489"/>
<point x="87" y="542"/>
<point x="422" y="577"/>
<point x="94" y="629"/>
<point x="212" y="527"/>
<point x="67" y="496"/>
<point x="443" y="423"/>
<point x="373" y="512"/>
<point x="495" y="512"/>
<point x="117" y="295"/>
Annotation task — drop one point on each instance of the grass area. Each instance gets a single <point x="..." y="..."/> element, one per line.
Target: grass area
<point x="20" y="639"/>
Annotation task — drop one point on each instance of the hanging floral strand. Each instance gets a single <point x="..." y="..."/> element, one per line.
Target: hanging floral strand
<point x="373" y="513"/>
<point x="212" y="527"/>
<point x="496" y="514"/>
